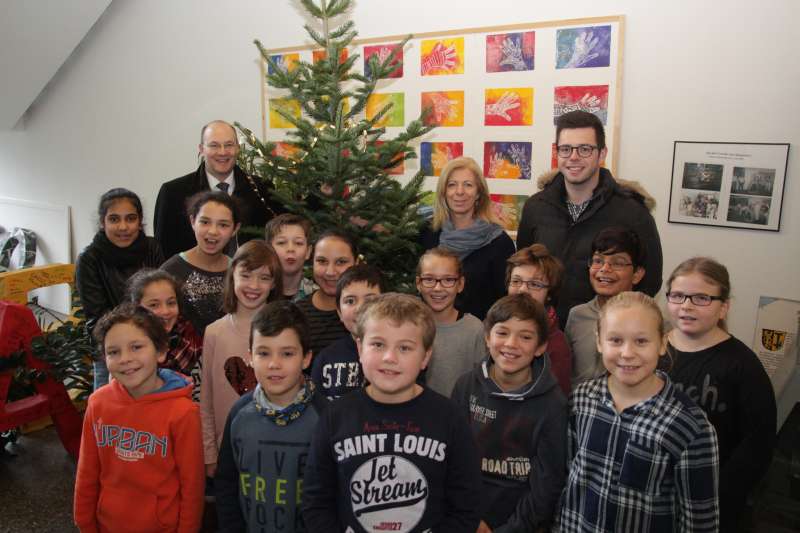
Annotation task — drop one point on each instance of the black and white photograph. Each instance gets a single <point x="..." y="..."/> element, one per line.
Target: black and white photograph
<point x="748" y="209"/>
<point x="699" y="204"/>
<point x="755" y="181"/>
<point x="702" y="176"/>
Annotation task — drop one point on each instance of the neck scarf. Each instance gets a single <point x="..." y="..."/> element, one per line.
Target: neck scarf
<point x="467" y="240"/>
<point x="130" y="256"/>
<point x="284" y="415"/>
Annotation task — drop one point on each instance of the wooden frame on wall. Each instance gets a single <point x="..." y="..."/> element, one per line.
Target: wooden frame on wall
<point x="496" y="91"/>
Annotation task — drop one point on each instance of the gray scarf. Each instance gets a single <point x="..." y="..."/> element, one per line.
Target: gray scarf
<point x="467" y="240"/>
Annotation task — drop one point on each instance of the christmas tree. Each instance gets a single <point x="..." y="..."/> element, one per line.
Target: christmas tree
<point x="336" y="170"/>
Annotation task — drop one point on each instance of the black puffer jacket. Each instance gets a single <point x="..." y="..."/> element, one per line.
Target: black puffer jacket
<point x="545" y="220"/>
<point x="101" y="275"/>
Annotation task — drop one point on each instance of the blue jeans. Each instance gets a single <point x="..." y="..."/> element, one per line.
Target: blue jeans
<point x="100" y="374"/>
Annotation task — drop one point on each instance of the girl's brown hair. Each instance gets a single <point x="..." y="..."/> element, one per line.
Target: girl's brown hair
<point x="252" y="255"/>
<point x="483" y="204"/>
<point x="712" y="271"/>
<point x="134" y="291"/>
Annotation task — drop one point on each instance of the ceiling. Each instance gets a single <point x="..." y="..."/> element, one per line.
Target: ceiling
<point x="36" y="38"/>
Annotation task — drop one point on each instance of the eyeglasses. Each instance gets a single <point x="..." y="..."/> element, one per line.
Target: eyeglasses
<point x="430" y="283"/>
<point x="700" y="300"/>
<point x="531" y="284"/>
<point x="216" y="147"/>
<point x="584" y="150"/>
<point x="614" y="264"/>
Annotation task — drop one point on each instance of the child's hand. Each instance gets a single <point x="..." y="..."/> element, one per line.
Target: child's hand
<point x="483" y="527"/>
<point x="211" y="469"/>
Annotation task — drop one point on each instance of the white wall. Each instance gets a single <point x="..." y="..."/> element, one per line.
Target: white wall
<point x="127" y="108"/>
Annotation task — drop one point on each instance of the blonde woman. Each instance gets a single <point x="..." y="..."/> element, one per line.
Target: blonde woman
<point x="464" y="223"/>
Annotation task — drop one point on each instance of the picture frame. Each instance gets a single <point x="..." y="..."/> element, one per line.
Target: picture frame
<point x="728" y="184"/>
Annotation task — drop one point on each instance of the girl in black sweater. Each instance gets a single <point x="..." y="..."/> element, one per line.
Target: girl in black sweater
<point x="118" y="250"/>
<point x="724" y="377"/>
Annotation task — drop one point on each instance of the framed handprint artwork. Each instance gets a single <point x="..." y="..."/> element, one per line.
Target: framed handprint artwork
<point x="493" y="93"/>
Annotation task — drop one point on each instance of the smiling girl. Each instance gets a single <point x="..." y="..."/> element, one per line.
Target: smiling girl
<point x="459" y="343"/>
<point x="119" y="249"/>
<point x="215" y="219"/>
<point x="253" y="278"/>
<point x="158" y="292"/>
<point x="642" y="454"/>
<point x="724" y="377"/>
<point x="332" y="254"/>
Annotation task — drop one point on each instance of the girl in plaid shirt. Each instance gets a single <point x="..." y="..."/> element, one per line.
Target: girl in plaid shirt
<point x="643" y="456"/>
<point x="159" y="292"/>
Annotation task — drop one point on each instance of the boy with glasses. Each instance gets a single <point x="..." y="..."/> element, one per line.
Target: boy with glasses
<point x="535" y="272"/>
<point x="616" y="265"/>
<point x="580" y="199"/>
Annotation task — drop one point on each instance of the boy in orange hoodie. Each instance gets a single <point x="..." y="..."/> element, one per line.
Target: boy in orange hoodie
<point x="141" y="458"/>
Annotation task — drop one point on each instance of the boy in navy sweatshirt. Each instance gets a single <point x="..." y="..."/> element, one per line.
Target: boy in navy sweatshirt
<point x="518" y="416"/>
<point x="261" y="463"/>
<point x="393" y="456"/>
<point x="336" y="370"/>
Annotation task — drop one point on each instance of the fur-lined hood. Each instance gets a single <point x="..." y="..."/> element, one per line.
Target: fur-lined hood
<point x="633" y="189"/>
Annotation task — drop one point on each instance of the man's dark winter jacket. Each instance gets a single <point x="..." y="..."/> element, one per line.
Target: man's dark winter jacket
<point x="545" y="220"/>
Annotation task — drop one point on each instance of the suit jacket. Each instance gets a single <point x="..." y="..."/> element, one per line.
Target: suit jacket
<point x="171" y="222"/>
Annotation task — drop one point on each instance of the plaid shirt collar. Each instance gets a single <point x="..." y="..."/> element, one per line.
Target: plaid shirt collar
<point x="603" y="394"/>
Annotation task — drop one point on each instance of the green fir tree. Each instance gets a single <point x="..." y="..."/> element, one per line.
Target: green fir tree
<point x="338" y="177"/>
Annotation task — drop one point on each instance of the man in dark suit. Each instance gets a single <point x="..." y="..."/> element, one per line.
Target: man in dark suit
<point x="219" y="147"/>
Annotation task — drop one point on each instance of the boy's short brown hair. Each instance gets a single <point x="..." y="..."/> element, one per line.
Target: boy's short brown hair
<point x="275" y="225"/>
<point x="539" y="256"/>
<point x="398" y="308"/>
<point x="277" y="316"/>
<point x="131" y="313"/>
<point x="521" y="307"/>
<point x="360" y="273"/>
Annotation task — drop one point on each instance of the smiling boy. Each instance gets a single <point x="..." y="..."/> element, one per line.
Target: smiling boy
<point x="518" y="417"/>
<point x="265" y="445"/>
<point x="616" y="265"/>
<point x="393" y="456"/>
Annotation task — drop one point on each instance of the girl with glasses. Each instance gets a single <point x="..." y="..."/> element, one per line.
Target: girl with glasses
<point x="724" y="376"/>
<point x="464" y="223"/>
<point x="459" y="343"/>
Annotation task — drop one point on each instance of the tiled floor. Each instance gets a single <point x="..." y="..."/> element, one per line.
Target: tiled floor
<point x="36" y="486"/>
